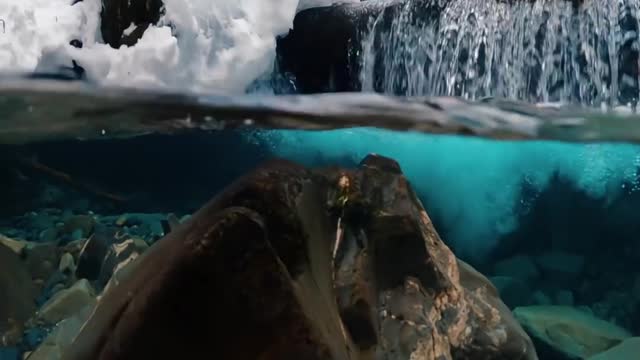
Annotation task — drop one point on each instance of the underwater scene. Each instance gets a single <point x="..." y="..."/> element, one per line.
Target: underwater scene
<point x="319" y="179"/>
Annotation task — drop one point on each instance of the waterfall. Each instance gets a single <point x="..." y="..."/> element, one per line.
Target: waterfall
<point x="582" y="52"/>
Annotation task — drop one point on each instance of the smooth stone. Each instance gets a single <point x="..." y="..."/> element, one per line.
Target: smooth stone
<point x="61" y="337"/>
<point x="67" y="264"/>
<point x="629" y="349"/>
<point x="570" y="331"/>
<point x="74" y="248"/>
<point x="520" y="266"/>
<point x="513" y="292"/>
<point x="564" y="297"/>
<point x="17" y="291"/>
<point x="67" y="302"/>
<point x="561" y="262"/>
<point x="52" y="285"/>
<point x="122" y="220"/>
<point x="57" y="288"/>
<point x="540" y="298"/>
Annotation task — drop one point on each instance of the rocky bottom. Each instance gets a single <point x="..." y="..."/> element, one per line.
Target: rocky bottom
<point x="286" y="263"/>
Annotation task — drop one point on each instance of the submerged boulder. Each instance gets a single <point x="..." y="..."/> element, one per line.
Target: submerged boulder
<point x="290" y="263"/>
<point x="629" y="349"/>
<point x="61" y="336"/>
<point x="570" y="331"/>
<point x="67" y="302"/>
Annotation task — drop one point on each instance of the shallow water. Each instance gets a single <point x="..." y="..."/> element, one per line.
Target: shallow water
<point x="537" y="188"/>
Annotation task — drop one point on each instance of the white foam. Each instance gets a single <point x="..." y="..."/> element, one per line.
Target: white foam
<point x="216" y="46"/>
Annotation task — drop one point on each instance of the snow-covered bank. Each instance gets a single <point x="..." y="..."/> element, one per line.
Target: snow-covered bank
<point x="198" y="45"/>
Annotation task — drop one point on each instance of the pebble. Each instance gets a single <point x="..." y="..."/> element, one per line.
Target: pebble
<point x="67" y="264"/>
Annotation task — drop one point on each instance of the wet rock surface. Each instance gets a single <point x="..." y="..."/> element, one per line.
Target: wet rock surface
<point x="267" y="263"/>
<point x="119" y="15"/>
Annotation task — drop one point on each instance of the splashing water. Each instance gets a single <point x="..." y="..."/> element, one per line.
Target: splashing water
<point x="542" y="51"/>
<point x="199" y="45"/>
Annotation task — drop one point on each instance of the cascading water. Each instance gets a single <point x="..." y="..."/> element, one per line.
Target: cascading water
<point x="544" y="51"/>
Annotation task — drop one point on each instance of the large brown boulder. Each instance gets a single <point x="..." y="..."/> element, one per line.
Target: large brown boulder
<point x="289" y="263"/>
<point x="430" y="304"/>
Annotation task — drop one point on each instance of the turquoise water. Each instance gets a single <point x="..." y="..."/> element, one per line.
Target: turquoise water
<point x="474" y="185"/>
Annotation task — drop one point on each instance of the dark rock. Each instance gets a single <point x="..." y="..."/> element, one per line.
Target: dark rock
<point x="17" y="291"/>
<point x="76" y="43"/>
<point x="118" y="15"/>
<point x="61" y="336"/>
<point x="93" y="253"/>
<point x="252" y="275"/>
<point x="322" y="50"/>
